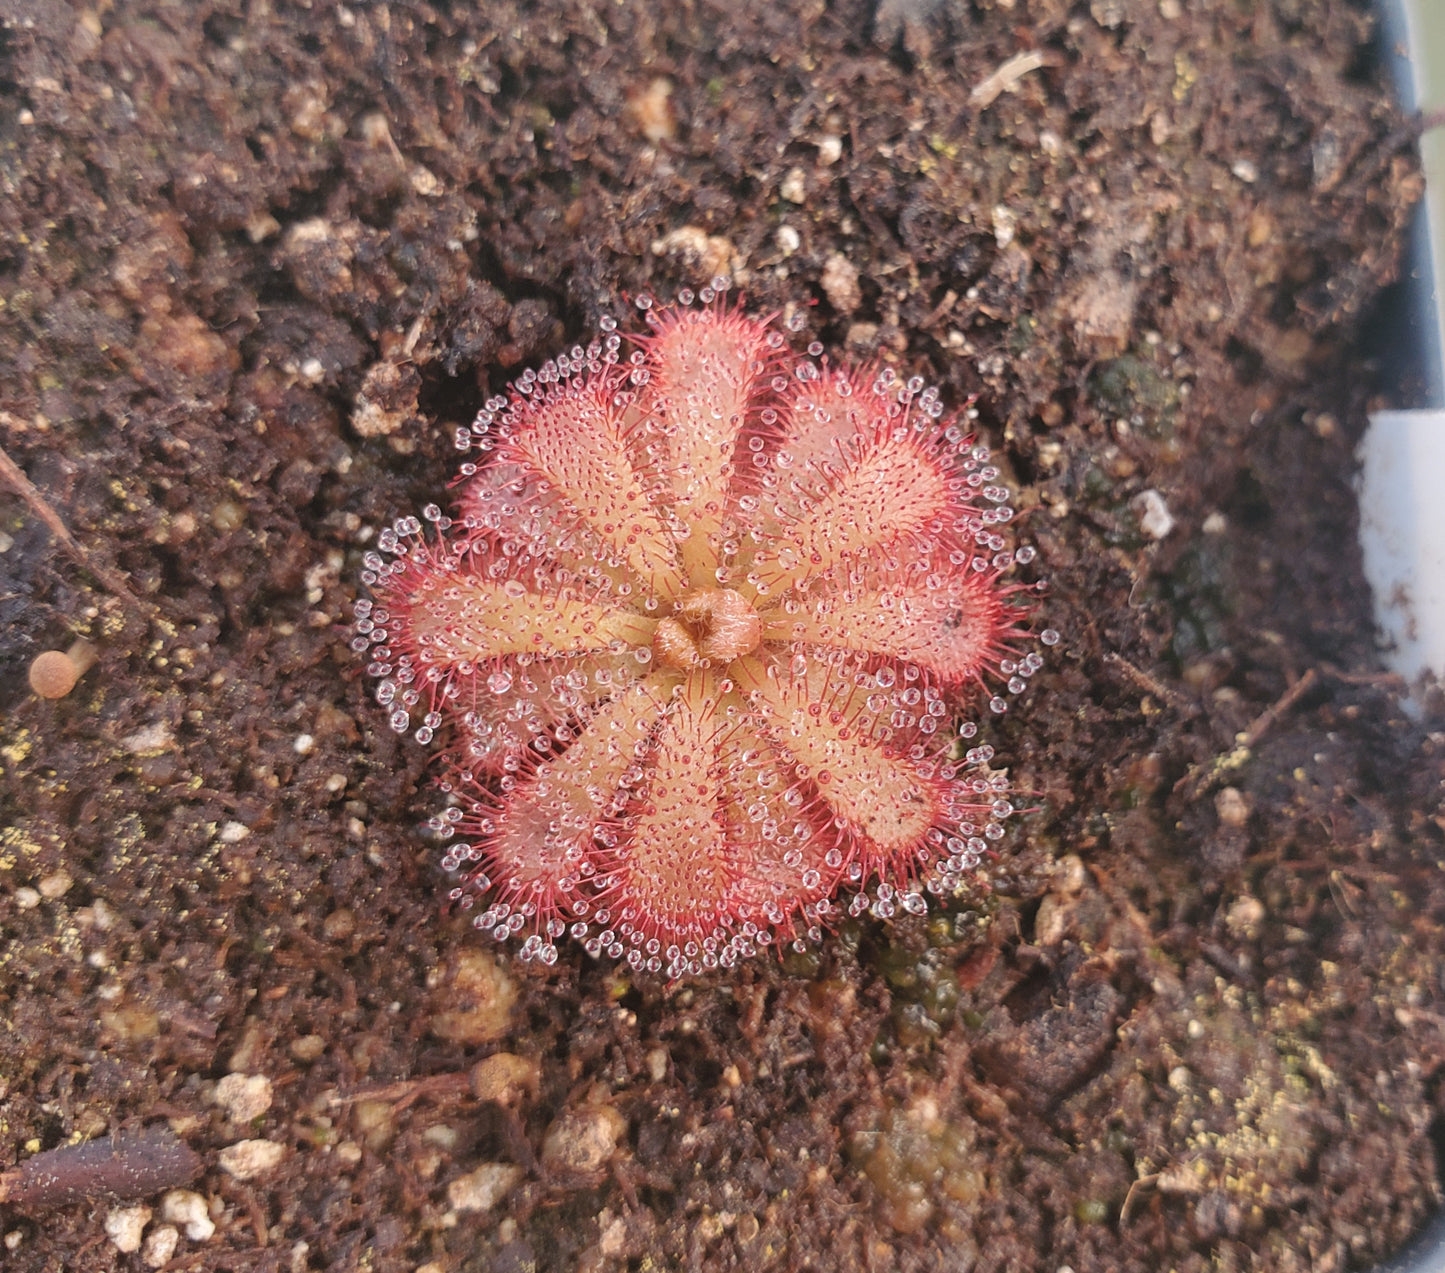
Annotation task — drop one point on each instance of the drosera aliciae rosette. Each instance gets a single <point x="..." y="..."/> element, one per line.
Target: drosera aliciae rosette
<point x="697" y="639"/>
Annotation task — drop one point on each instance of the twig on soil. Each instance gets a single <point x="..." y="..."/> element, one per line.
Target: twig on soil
<point x="1150" y="684"/>
<point x="1008" y="74"/>
<point x="1142" y="1183"/>
<point x="1265" y="721"/>
<point x="439" y="1086"/>
<point x="15" y="478"/>
<point x="257" y="1215"/>
<point x="626" y="1184"/>
<point x="1226" y="962"/>
<point x="199" y="1259"/>
<point x="1209" y="773"/>
<point x="1377" y="680"/>
<point x="126" y="1165"/>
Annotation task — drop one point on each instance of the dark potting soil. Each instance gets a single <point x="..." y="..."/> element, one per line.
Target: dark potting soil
<point x="258" y="260"/>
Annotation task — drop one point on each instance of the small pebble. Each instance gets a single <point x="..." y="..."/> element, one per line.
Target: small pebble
<point x="186" y="1208"/>
<point x="424" y="182"/>
<point x="1244" y="916"/>
<point x="1005" y="225"/>
<point x="1259" y="229"/>
<point x="708" y="254"/>
<point x="55" y="886"/>
<point x="339" y="926"/>
<point x="612" y="1241"/>
<point x="583" y="1139"/>
<point x="124" y="1226"/>
<point x="244" y="1097"/>
<point x="376" y="1121"/>
<point x="504" y="1078"/>
<point x="483" y="1188"/>
<point x="478" y="1000"/>
<point x="228" y="515"/>
<point x="1051" y="921"/>
<point x="442" y="1136"/>
<point x="160" y="1246"/>
<point x="149" y="740"/>
<point x="308" y="1049"/>
<point x="1155" y="519"/>
<point x="839" y="280"/>
<point x="247" y="1159"/>
<point x="1232" y="806"/>
<point x="652" y="111"/>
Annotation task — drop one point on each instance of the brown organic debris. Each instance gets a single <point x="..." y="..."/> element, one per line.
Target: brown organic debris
<point x="124" y="1165"/>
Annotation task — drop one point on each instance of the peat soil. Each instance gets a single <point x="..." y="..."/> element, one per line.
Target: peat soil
<point x="259" y="259"/>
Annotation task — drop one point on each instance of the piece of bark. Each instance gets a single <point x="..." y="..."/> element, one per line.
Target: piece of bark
<point x="126" y="1165"/>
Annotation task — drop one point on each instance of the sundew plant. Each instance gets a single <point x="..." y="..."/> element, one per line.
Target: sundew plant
<point x="697" y="640"/>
